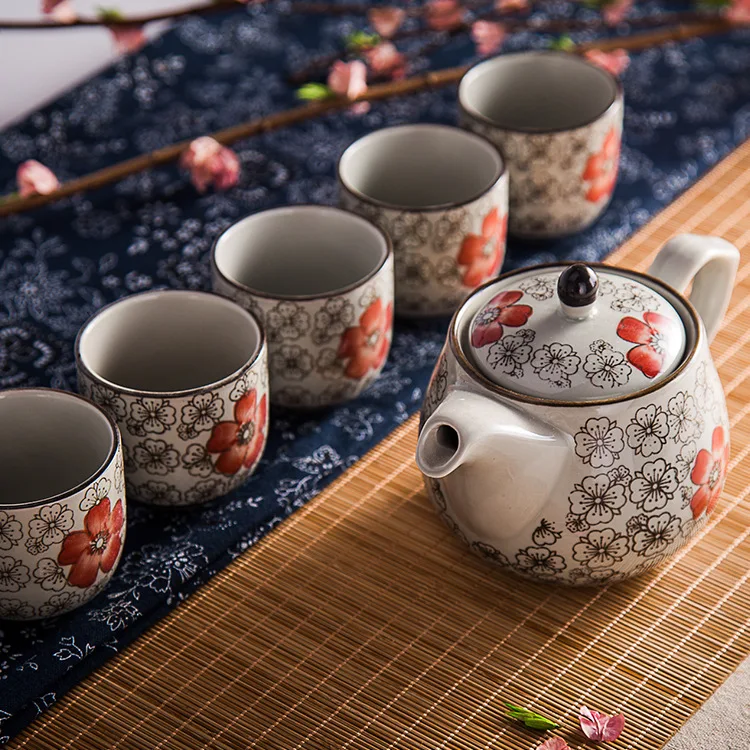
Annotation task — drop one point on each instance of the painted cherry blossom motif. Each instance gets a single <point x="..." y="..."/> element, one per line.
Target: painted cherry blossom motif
<point x="240" y="442"/>
<point x="648" y="430"/>
<point x="200" y="414"/>
<point x="650" y="334"/>
<point x="365" y="347"/>
<point x="601" y="168"/>
<point x="601" y="548"/>
<point x="555" y="363"/>
<point x="600" y="442"/>
<point x="14" y="575"/>
<point x="511" y="352"/>
<point x="654" y="485"/>
<point x="481" y="255"/>
<point x="545" y="533"/>
<point x="49" y="526"/>
<point x="600" y="727"/>
<point x="501" y="311"/>
<point x="540" y="561"/>
<point x="605" y="367"/>
<point x="150" y="415"/>
<point x="95" y="547"/>
<point x="11" y="530"/>
<point x="708" y="473"/>
<point x="598" y="499"/>
<point x="49" y="575"/>
<point x="684" y="422"/>
<point x="156" y="456"/>
<point x="654" y="535"/>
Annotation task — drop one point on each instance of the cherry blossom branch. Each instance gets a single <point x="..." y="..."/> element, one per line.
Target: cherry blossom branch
<point x="120" y="20"/>
<point x="14" y="204"/>
<point x="322" y="63"/>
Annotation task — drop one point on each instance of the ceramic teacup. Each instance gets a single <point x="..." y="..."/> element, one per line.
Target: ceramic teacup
<point x="184" y="375"/>
<point x="558" y="121"/>
<point x="441" y="194"/>
<point x="62" y="502"/>
<point x="321" y="281"/>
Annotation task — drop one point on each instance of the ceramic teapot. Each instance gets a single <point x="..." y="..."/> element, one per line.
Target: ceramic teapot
<point x="575" y="429"/>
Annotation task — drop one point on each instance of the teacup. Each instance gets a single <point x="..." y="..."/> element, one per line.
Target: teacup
<point x="441" y="194"/>
<point x="184" y="375"/>
<point x="62" y="502"/>
<point x="321" y="281"/>
<point x="557" y="119"/>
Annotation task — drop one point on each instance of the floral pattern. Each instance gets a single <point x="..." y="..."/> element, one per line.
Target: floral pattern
<point x="601" y="548"/>
<point x="11" y="530"/>
<point x="600" y="442"/>
<point x="287" y="321"/>
<point x="48" y="527"/>
<point x="14" y="575"/>
<point x="650" y="335"/>
<point x="156" y="456"/>
<point x="709" y="472"/>
<point x="654" y="535"/>
<point x="150" y="416"/>
<point x="510" y="353"/>
<point x="364" y="347"/>
<point x="598" y="499"/>
<point x="240" y="442"/>
<point x="96" y="547"/>
<point x="601" y="169"/>
<point x="605" y="367"/>
<point x="539" y="561"/>
<point x="555" y="363"/>
<point x="481" y="255"/>
<point x="331" y="320"/>
<point x="654" y="485"/>
<point x="648" y="430"/>
<point x="502" y="310"/>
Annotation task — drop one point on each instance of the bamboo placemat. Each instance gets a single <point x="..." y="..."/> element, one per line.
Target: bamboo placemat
<point x="362" y="623"/>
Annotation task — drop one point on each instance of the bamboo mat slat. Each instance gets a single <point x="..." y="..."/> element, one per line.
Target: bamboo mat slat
<point x="362" y="623"/>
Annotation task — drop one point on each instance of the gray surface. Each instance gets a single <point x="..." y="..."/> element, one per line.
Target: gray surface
<point x="723" y="722"/>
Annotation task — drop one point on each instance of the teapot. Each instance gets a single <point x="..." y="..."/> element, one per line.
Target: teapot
<point x="574" y="429"/>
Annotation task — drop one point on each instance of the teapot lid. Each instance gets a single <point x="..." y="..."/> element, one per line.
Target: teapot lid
<point x="576" y="333"/>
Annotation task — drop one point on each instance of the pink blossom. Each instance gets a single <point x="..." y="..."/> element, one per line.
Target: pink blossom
<point x="444" y="15"/>
<point x="600" y="727"/>
<point x="349" y="80"/>
<point x="211" y="163"/>
<point x="739" y="11"/>
<point x="511" y="6"/>
<point x="61" y="10"/>
<point x="615" y="12"/>
<point x="127" y="38"/>
<point x="616" y="62"/>
<point x="34" y="178"/>
<point x="554" y="743"/>
<point x="385" y="59"/>
<point x="488" y="36"/>
<point x="386" y="21"/>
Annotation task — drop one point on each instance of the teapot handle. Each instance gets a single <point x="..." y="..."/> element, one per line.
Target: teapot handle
<point x="711" y="263"/>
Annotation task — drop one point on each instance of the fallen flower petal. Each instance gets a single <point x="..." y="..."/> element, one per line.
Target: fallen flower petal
<point x="385" y="59"/>
<point x="554" y="743"/>
<point x="444" y="15"/>
<point x="386" y="21"/>
<point x="349" y="80"/>
<point x="61" y="10"/>
<point x="210" y="163"/>
<point x="127" y="39"/>
<point x="600" y="727"/>
<point x="34" y="178"/>
<point x="488" y="36"/>
<point x="614" y="12"/>
<point x="738" y="11"/>
<point x="616" y="62"/>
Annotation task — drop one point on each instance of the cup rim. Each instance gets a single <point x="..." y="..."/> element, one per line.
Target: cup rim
<point x="125" y="390"/>
<point x="65" y="494"/>
<point x="303" y="297"/>
<point x="469" y="135"/>
<point x="471" y="112"/>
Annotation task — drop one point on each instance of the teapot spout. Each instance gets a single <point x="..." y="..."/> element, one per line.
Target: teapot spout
<point x="500" y="466"/>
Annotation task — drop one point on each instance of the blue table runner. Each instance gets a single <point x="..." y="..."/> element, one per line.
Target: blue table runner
<point x="687" y="106"/>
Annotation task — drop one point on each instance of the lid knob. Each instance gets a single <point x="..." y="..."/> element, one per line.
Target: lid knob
<point x="577" y="287"/>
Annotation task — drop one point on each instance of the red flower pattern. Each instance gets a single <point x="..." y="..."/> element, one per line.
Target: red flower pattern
<point x="366" y="346"/>
<point x="239" y="443"/>
<point x="650" y="336"/>
<point x="601" y="168"/>
<point x="96" y="547"/>
<point x="709" y="472"/>
<point x="501" y="311"/>
<point x="483" y="253"/>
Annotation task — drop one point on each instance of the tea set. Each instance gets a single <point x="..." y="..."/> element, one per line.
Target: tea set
<point x="574" y="429"/>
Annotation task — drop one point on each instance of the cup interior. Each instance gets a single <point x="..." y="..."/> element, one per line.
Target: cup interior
<point x="537" y="92"/>
<point x="50" y="443"/>
<point x="168" y="342"/>
<point x="300" y="251"/>
<point x="420" y="167"/>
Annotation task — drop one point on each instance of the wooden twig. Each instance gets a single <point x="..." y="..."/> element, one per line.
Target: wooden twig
<point x="430" y="80"/>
